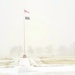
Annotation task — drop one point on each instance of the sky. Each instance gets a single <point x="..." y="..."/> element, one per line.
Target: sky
<point x="51" y="23"/>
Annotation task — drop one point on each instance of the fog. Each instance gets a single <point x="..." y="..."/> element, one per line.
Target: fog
<point x="51" y="23"/>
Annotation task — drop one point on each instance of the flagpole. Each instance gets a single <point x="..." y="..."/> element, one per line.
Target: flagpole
<point x="24" y="35"/>
<point x="24" y="55"/>
<point x="27" y="18"/>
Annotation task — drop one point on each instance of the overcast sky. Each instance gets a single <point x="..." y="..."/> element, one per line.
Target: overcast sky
<point x="52" y="22"/>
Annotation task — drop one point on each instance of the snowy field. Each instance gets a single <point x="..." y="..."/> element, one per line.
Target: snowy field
<point x="45" y="69"/>
<point x="65" y="70"/>
<point x="41" y="74"/>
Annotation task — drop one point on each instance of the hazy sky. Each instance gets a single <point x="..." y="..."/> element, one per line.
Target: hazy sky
<point x="51" y="22"/>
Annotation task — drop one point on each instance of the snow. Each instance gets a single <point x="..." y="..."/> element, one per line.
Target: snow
<point x="24" y="67"/>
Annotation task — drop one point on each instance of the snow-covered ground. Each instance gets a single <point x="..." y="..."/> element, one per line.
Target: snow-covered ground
<point x="24" y="68"/>
<point x="54" y="70"/>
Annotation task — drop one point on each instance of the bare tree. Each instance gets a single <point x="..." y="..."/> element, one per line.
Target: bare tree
<point x="62" y="51"/>
<point x="49" y="51"/>
<point x="71" y="51"/>
<point x="39" y="51"/>
<point x="16" y="51"/>
<point x="30" y="51"/>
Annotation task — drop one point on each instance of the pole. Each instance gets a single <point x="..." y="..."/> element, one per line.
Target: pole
<point x="24" y="31"/>
<point x="24" y="55"/>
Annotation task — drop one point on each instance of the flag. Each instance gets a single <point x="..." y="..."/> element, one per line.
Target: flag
<point x="26" y="11"/>
<point x="26" y="17"/>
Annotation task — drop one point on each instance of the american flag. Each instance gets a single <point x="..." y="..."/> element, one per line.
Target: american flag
<point x="26" y="11"/>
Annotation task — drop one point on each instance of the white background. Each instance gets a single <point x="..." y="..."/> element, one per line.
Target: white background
<point x="51" y="23"/>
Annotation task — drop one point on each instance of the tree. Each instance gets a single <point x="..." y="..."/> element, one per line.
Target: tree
<point x="62" y="51"/>
<point x="72" y="50"/>
<point x="39" y="51"/>
<point x="30" y="51"/>
<point x="16" y="51"/>
<point x="49" y="51"/>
